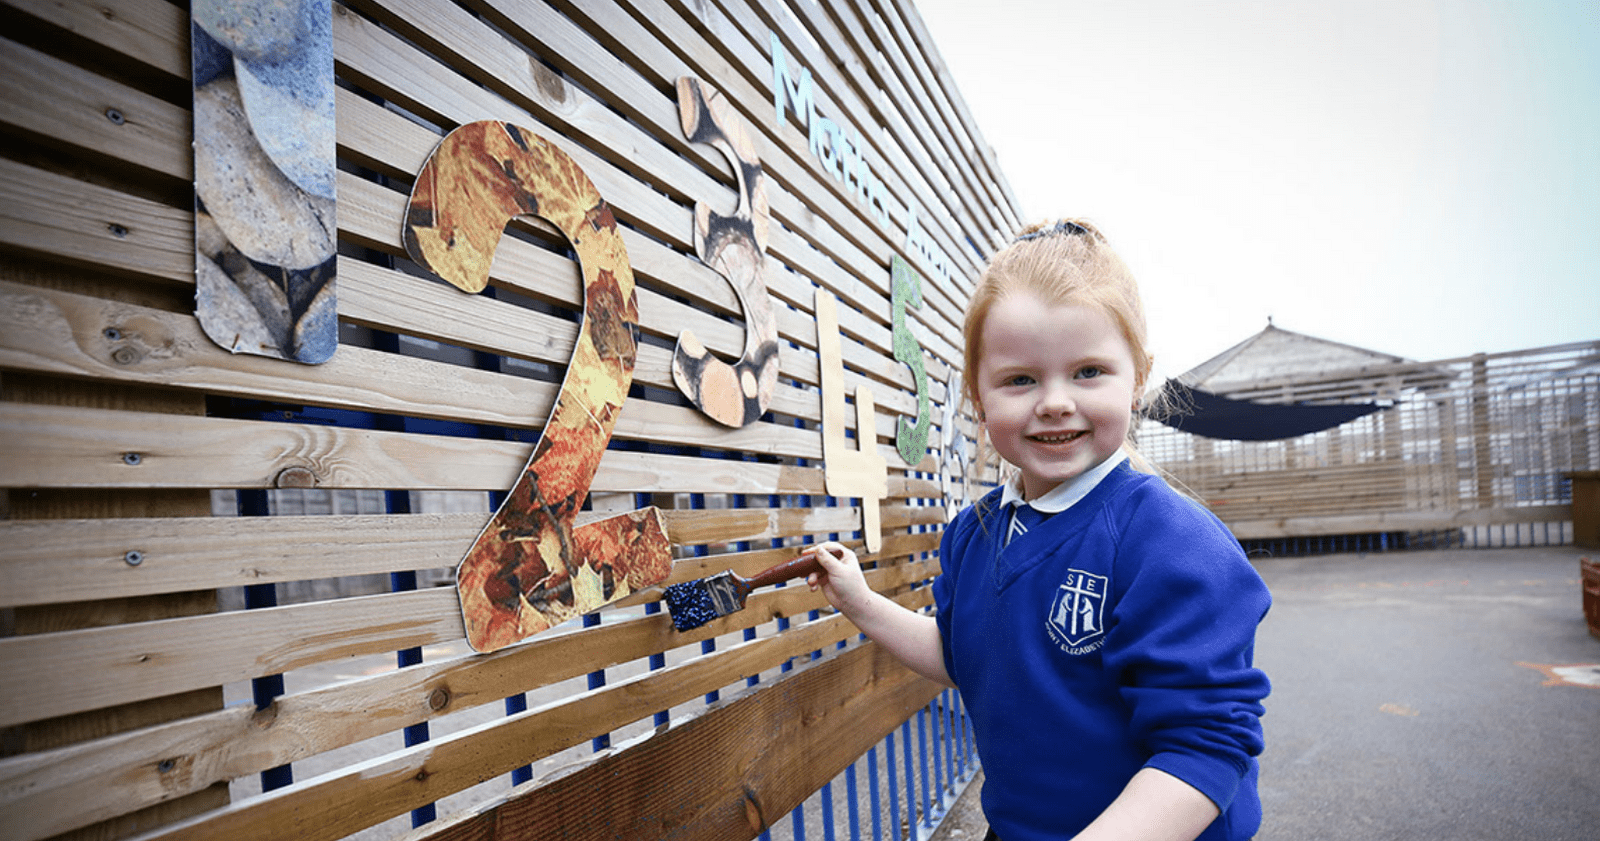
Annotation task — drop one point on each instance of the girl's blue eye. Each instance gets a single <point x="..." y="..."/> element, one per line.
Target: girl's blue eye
<point x="1089" y="373"/>
<point x="1020" y="379"/>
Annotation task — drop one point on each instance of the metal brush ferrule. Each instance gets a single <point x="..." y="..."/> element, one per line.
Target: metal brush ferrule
<point x="724" y="593"/>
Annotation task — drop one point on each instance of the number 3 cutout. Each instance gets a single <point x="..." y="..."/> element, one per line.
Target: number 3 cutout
<point x="737" y="394"/>
<point x="530" y="569"/>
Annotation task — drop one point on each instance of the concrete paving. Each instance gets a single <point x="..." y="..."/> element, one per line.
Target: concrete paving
<point x="1415" y="696"/>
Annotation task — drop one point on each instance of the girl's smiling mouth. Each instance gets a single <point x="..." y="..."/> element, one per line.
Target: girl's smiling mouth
<point x="1058" y="437"/>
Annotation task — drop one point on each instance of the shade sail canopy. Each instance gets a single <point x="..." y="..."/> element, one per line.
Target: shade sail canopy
<point x="1202" y="413"/>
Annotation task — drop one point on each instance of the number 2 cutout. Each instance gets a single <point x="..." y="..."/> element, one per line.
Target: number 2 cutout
<point x="530" y="568"/>
<point x="738" y="394"/>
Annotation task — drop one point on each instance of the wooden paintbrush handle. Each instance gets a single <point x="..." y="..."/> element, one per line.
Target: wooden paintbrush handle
<point x="799" y="567"/>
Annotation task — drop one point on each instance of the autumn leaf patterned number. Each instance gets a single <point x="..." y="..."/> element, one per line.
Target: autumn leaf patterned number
<point x="530" y="568"/>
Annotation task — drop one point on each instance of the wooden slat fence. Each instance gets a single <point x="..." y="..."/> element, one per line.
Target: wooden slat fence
<point x="1470" y="443"/>
<point x="169" y="671"/>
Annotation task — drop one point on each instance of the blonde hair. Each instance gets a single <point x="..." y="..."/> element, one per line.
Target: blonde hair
<point x="1065" y="263"/>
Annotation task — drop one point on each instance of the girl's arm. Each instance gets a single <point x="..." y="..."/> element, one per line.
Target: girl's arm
<point x="1154" y="806"/>
<point x="913" y="638"/>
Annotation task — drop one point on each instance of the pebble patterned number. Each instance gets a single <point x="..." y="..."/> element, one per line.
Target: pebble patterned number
<point x="738" y="394"/>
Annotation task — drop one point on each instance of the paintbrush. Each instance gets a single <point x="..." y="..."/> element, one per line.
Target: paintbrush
<point x="694" y="603"/>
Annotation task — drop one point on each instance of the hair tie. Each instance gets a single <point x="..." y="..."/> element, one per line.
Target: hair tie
<point x="1066" y="227"/>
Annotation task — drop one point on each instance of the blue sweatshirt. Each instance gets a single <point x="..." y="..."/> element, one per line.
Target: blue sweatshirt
<point x="1115" y="635"/>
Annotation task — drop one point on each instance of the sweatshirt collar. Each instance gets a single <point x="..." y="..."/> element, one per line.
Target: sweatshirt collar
<point x="1066" y="494"/>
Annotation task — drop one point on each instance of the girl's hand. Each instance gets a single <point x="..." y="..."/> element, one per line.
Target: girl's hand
<point x="841" y="580"/>
<point x="910" y="636"/>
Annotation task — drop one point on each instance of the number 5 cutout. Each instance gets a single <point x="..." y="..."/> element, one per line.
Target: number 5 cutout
<point x="530" y="569"/>
<point x="905" y="289"/>
<point x="738" y="394"/>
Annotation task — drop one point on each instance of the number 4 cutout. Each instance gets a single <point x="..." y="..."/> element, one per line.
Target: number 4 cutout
<point x="858" y="471"/>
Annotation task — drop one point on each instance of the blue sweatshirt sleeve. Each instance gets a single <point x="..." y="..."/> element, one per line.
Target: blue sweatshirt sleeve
<point x="1180" y="644"/>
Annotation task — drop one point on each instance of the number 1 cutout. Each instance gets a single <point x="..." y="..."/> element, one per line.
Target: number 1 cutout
<point x="264" y="177"/>
<point x="530" y="568"/>
<point x="738" y="394"/>
<point x="858" y="471"/>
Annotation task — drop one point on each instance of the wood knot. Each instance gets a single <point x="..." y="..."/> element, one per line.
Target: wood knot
<point x="295" y="477"/>
<point x="438" y="699"/>
<point x="549" y="83"/>
<point x="752" y="811"/>
<point x="126" y="355"/>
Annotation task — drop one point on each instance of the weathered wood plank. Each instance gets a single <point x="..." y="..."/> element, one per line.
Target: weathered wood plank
<point x="383" y="63"/>
<point x="86" y="224"/>
<point x="140" y="29"/>
<point x="50" y="97"/>
<point x="1005" y="200"/>
<point x="1296" y="525"/>
<point x="57" y="674"/>
<point x="49" y="792"/>
<point x="89" y="448"/>
<point x="50" y="561"/>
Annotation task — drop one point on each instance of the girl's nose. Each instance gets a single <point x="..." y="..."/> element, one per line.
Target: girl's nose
<point x="1055" y="399"/>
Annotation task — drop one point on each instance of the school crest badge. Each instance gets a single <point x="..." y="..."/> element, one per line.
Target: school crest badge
<point x="1077" y="613"/>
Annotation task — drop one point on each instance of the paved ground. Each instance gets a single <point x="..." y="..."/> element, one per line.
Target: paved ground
<point x="1412" y="698"/>
<point x="1416" y="696"/>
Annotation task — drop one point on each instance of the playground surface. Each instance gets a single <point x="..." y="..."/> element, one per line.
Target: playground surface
<point x="1425" y="695"/>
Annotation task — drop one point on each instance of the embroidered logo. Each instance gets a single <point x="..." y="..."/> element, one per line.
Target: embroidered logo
<point x="1076" y="620"/>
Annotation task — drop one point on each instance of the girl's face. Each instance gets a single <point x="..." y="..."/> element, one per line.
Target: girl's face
<point x="1055" y="388"/>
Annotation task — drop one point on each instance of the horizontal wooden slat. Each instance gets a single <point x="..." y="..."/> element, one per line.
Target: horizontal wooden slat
<point x="57" y="674"/>
<point x="59" y="447"/>
<point x="1382" y="521"/>
<point x="140" y="29"/>
<point x="48" y="96"/>
<point x="376" y="57"/>
<point x="48" y="561"/>
<point x="44" y="562"/>
<point x="88" y="224"/>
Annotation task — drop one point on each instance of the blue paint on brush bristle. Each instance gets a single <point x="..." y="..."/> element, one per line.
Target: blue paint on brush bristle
<point x="689" y="604"/>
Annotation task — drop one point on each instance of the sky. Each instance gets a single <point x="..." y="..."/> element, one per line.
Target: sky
<point x="1414" y="177"/>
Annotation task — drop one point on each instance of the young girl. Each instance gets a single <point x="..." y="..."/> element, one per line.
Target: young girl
<point x="1098" y="625"/>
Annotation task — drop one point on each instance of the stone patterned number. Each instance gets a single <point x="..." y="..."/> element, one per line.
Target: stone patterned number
<point x="955" y="460"/>
<point x="905" y="289"/>
<point x="737" y="394"/>
<point x="860" y="471"/>
<point x="530" y="568"/>
<point x="264" y="154"/>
